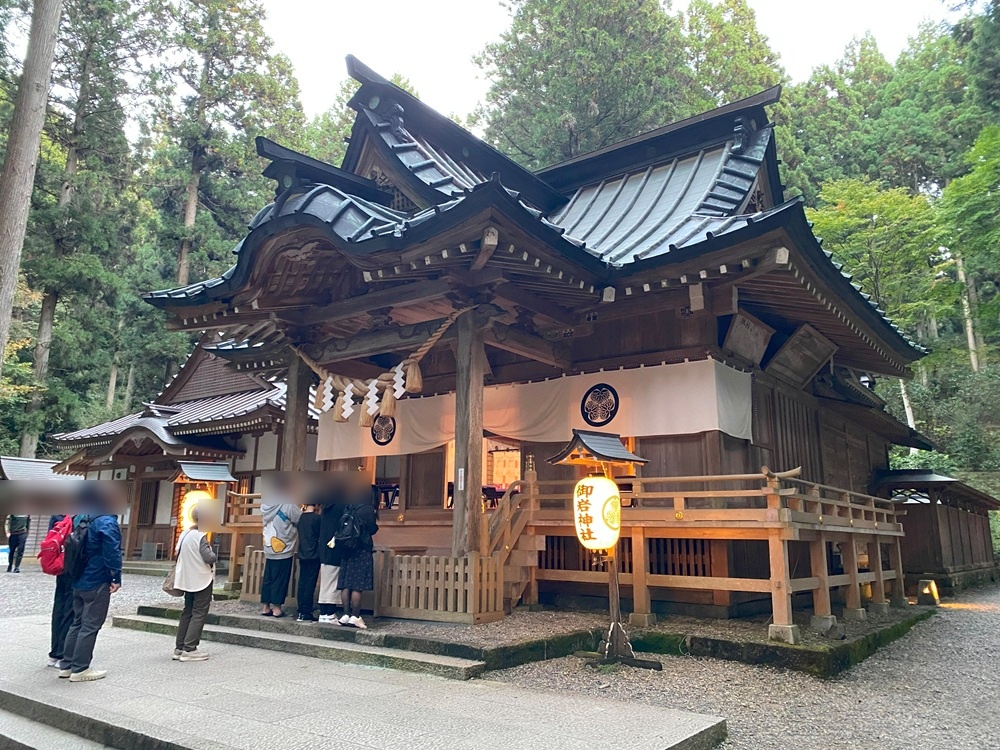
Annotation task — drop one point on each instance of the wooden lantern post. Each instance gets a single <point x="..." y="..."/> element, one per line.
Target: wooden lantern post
<point x="597" y="518"/>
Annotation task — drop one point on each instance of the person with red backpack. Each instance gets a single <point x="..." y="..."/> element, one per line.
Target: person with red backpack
<point x="52" y="557"/>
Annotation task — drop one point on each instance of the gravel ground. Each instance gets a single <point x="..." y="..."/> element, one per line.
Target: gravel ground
<point x="519" y="627"/>
<point x="937" y="687"/>
<point x="30" y="592"/>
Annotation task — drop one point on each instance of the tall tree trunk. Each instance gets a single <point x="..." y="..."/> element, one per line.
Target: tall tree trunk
<point x="970" y="331"/>
<point x="43" y="345"/>
<point x="908" y="408"/>
<point x="932" y="326"/>
<point x="129" y="387"/>
<point x="115" y="360"/>
<point x="197" y="162"/>
<point x="18" y="175"/>
<point x="190" y="214"/>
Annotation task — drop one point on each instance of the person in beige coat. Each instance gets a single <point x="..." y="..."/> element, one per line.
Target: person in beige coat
<point x="194" y="575"/>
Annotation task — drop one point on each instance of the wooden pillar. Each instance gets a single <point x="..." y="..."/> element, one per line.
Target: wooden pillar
<point x="899" y="585"/>
<point x="469" y="360"/>
<point x="878" y="603"/>
<point x="782" y="629"/>
<point x="642" y="612"/>
<point x="719" y="554"/>
<point x="133" y="509"/>
<point x="293" y="444"/>
<point x="820" y="571"/>
<point x="849" y="554"/>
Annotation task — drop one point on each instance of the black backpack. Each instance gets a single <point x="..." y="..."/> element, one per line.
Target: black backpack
<point x="75" y="550"/>
<point x="348" y="536"/>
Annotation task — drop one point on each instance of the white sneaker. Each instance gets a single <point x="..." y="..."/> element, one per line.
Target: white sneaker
<point x="177" y="654"/>
<point x="88" y="675"/>
<point x="357" y="622"/>
<point x="345" y="620"/>
<point x="53" y="663"/>
<point x="193" y="656"/>
<point x="324" y="618"/>
<point x="64" y="673"/>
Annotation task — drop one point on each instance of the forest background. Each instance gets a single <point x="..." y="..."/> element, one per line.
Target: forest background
<point x="148" y="175"/>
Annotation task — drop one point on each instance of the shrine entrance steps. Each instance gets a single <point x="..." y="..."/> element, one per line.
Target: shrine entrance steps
<point x="318" y="641"/>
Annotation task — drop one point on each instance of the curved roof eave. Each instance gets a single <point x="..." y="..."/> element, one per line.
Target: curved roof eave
<point x="451" y="135"/>
<point x="418" y="228"/>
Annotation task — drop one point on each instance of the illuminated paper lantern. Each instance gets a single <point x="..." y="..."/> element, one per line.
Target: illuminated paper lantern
<point x="194" y="500"/>
<point x="597" y="512"/>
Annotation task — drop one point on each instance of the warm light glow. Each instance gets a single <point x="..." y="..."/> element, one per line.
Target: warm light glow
<point x="597" y="512"/>
<point x="189" y="504"/>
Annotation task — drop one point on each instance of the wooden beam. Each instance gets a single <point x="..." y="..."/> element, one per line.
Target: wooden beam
<point x="400" y="296"/>
<point x="491" y="238"/>
<point x="377" y="342"/>
<point x="468" y="435"/>
<point x="525" y="344"/>
<point x="534" y="303"/>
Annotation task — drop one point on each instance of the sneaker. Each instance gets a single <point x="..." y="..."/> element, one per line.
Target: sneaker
<point x="344" y="620"/>
<point x="64" y="673"/>
<point x="53" y="663"/>
<point x="357" y="622"/>
<point x="324" y="618"/>
<point x="177" y="654"/>
<point x="17" y="570"/>
<point x="193" y="656"/>
<point x="87" y="675"/>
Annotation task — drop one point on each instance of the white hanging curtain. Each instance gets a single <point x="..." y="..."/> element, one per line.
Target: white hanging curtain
<point x="679" y="399"/>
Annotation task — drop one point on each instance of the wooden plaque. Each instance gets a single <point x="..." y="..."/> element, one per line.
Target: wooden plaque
<point x="802" y="356"/>
<point x="748" y="337"/>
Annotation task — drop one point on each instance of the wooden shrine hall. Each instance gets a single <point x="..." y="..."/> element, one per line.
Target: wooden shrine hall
<point x="445" y="304"/>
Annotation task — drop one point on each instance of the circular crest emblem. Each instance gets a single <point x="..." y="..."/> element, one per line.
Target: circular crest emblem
<point x="383" y="430"/>
<point x="599" y="405"/>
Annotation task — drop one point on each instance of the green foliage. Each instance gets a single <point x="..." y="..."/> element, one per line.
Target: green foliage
<point x="887" y="241"/>
<point x="572" y="76"/>
<point x="730" y="59"/>
<point x="970" y="209"/>
<point x="833" y="112"/>
<point x="985" y="57"/>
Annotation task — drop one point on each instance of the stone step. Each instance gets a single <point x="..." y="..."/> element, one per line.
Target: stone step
<point x="39" y="719"/>
<point x="318" y="647"/>
<point x="19" y="733"/>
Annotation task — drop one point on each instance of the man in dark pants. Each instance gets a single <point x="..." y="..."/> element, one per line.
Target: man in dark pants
<point x="17" y="535"/>
<point x="62" y="610"/>
<point x="101" y="577"/>
<point x="309" y="525"/>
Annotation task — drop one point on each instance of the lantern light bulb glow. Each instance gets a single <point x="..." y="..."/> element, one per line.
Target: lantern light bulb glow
<point x="189" y="504"/>
<point x="597" y="512"/>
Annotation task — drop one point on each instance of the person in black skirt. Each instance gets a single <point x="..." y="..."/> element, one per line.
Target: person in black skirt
<point x="357" y="568"/>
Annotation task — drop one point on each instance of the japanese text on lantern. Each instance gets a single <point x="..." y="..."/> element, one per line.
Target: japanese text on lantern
<point x="583" y="517"/>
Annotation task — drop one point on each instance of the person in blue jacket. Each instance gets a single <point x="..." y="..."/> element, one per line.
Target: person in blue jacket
<point x="92" y="589"/>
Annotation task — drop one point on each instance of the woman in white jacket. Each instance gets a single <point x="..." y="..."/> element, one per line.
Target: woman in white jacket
<point x="194" y="575"/>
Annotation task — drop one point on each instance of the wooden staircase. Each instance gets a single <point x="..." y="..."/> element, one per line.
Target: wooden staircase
<point x="503" y="534"/>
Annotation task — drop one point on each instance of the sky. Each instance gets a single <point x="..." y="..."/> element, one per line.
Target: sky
<point x="432" y="42"/>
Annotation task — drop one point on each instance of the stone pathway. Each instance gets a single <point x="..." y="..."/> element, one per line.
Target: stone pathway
<point x="247" y="698"/>
<point x="937" y="688"/>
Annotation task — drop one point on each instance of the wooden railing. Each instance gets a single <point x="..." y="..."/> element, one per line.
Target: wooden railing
<point x="675" y="532"/>
<point x="465" y="589"/>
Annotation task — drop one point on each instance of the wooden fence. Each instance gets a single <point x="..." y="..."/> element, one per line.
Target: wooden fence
<point x="445" y="589"/>
<point x="438" y="588"/>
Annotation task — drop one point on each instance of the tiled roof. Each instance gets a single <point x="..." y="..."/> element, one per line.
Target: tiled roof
<point x="185" y="417"/>
<point x="647" y="213"/>
<point x="204" y="471"/>
<point x="33" y="469"/>
<point x="435" y="167"/>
